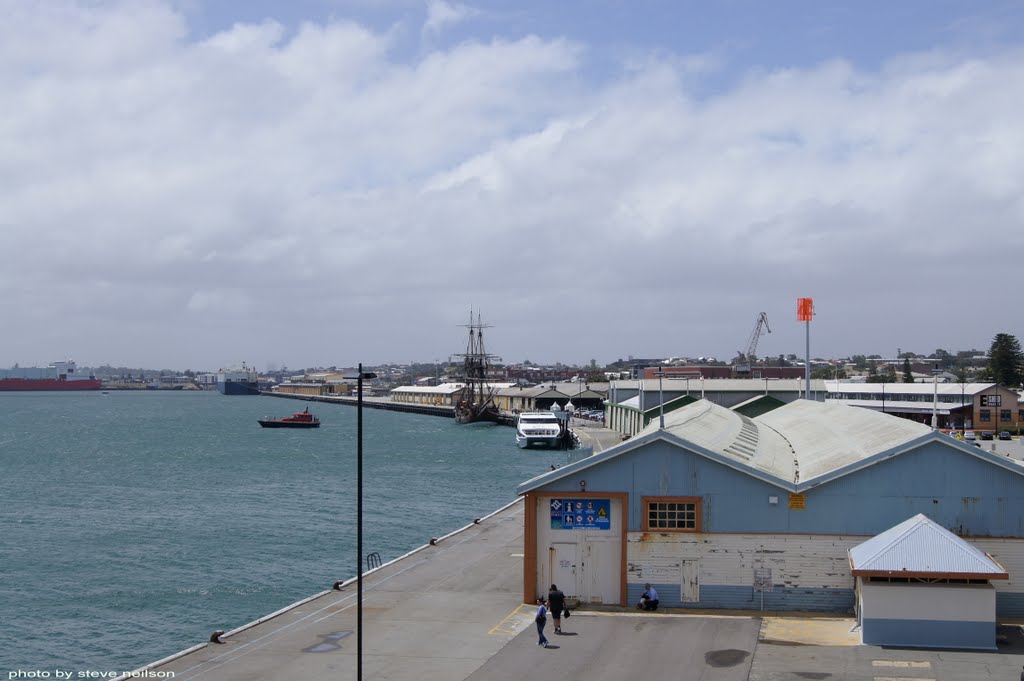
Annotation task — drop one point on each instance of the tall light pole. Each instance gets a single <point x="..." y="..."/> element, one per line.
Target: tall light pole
<point x="359" y="517"/>
<point x="935" y="398"/>
<point x="804" y="313"/>
<point x="963" y="413"/>
<point x="661" y="401"/>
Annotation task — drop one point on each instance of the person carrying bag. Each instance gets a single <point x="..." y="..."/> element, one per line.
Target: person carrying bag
<point x="556" y="601"/>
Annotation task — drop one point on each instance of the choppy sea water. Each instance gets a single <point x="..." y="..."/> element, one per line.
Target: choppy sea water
<point x="133" y="524"/>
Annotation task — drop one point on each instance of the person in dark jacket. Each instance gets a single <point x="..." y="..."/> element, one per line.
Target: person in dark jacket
<point x="556" y="603"/>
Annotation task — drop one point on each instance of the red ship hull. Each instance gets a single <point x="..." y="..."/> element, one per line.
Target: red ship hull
<point x="48" y="384"/>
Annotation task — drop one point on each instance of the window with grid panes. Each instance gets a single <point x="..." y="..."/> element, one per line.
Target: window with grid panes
<point x="680" y="514"/>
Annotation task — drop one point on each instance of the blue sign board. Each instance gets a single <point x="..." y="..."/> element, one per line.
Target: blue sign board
<point x="583" y="514"/>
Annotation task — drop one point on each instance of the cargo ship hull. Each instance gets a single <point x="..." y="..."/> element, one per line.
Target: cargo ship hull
<point x="29" y="384"/>
<point x="57" y="376"/>
<point x="238" y="387"/>
<point x="244" y="381"/>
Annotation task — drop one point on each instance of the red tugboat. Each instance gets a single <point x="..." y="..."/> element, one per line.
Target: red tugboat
<point x="300" y="419"/>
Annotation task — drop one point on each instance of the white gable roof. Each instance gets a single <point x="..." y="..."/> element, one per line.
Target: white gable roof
<point x="920" y="547"/>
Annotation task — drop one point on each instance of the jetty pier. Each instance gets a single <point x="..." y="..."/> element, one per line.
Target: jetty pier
<point x="371" y="403"/>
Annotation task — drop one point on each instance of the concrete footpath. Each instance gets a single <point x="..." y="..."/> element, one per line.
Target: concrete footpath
<point x="453" y="612"/>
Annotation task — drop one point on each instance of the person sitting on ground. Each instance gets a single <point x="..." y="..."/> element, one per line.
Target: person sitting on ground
<point x="556" y="603"/>
<point x="649" y="598"/>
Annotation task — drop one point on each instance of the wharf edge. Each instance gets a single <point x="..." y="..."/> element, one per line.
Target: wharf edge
<point x="225" y="637"/>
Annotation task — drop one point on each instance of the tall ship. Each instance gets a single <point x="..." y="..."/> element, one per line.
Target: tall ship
<point x="244" y="381"/>
<point x="57" y="376"/>
<point x="477" y="403"/>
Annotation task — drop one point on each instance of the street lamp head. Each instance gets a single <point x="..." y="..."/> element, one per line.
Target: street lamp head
<point x="365" y="374"/>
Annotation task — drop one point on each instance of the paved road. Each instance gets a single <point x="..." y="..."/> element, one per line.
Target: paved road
<point x="593" y="647"/>
<point x="789" y="662"/>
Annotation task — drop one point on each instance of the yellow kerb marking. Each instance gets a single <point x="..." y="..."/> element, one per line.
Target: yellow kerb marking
<point x="904" y="664"/>
<point x="514" y="621"/>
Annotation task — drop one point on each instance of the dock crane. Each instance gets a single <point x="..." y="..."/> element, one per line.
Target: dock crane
<point x="747" y="359"/>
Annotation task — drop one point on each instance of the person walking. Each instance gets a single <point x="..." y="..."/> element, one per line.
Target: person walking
<point x="556" y="602"/>
<point x="542" y="619"/>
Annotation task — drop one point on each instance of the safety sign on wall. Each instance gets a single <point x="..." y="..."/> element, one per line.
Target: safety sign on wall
<point x="583" y="514"/>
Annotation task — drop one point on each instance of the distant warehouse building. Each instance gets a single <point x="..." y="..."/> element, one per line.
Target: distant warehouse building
<point x="723" y="510"/>
<point x="956" y="406"/>
<point x="632" y="404"/>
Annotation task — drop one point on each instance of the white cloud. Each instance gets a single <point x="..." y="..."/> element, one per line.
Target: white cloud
<point x="309" y="197"/>
<point x="441" y="14"/>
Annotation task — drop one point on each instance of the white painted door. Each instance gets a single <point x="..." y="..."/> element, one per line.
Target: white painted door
<point x="563" y="568"/>
<point x="689" y="584"/>
<point x="599" y="571"/>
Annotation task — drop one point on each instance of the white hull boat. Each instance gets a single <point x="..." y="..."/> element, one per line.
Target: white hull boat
<point x="539" y="429"/>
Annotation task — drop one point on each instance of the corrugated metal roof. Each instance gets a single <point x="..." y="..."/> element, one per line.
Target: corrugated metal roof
<point x="536" y="391"/>
<point x="966" y="389"/>
<point x="918" y="547"/>
<point x="776" y="385"/>
<point x="903" y="406"/>
<point x="796" y="442"/>
<point x="796" y="446"/>
<point x="827" y="437"/>
<point x="443" y="389"/>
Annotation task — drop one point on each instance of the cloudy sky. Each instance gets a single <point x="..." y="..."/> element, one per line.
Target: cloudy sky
<point x="194" y="183"/>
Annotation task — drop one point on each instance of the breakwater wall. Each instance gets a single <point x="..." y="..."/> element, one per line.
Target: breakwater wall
<point x="371" y="403"/>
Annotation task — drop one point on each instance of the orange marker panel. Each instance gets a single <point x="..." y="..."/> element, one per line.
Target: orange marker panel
<point x="804" y="309"/>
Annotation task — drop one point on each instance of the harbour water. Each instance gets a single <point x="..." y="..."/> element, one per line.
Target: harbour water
<point x="134" y="524"/>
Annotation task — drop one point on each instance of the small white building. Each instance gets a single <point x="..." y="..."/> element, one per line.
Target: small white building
<point x="919" y="585"/>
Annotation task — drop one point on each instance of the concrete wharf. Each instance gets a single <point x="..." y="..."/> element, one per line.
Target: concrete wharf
<point x="451" y="611"/>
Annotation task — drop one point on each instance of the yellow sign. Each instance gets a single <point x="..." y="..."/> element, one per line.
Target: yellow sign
<point x="797" y="502"/>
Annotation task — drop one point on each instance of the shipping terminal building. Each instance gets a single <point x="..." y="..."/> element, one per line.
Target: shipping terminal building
<point x="810" y="506"/>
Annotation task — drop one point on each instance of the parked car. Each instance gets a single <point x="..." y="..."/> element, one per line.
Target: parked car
<point x="1004" y="435"/>
<point x="987" y="435"/>
<point x="970" y="436"/>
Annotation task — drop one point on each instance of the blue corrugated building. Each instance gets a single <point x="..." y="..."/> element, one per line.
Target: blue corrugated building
<point x="721" y="510"/>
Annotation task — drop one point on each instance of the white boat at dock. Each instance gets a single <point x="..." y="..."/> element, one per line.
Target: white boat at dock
<point x="539" y="429"/>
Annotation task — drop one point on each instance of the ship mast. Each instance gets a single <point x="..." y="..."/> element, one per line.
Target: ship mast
<point x="476" y="358"/>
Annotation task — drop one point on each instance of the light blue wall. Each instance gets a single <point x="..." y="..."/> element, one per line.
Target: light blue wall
<point x="745" y="598"/>
<point x="957" y="490"/>
<point x="928" y="634"/>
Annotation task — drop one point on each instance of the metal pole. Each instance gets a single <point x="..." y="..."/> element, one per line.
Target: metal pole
<point x="661" y="401"/>
<point x="963" y="413"/>
<point x="807" y="364"/>
<point x="935" y="398"/>
<point x="359" y="525"/>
